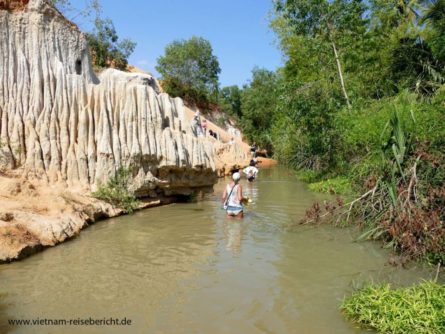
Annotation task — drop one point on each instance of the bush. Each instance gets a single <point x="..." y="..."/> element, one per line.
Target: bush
<point x="418" y="309"/>
<point x="191" y="95"/>
<point x="363" y="131"/>
<point x="116" y="191"/>
<point x="400" y="174"/>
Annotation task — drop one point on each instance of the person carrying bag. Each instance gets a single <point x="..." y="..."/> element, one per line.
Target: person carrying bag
<point x="233" y="197"/>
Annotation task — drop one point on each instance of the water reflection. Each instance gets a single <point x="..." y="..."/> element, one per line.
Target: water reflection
<point x="233" y="231"/>
<point x="251" y="191"/>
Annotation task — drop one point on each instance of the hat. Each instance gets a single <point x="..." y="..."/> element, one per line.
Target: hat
<point x="236" y="176"/>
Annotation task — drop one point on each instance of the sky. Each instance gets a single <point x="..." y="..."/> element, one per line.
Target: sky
<point x="238" y="31"/>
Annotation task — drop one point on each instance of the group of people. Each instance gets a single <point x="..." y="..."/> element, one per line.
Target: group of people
<point x="233" y="198"/>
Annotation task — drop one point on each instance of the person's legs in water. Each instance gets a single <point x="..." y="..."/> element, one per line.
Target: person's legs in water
<point x="236" y="212"/>
<point x="239" y="215"/>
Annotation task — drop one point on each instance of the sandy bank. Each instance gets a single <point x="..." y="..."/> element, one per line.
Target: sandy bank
<point x="35" y="215"/>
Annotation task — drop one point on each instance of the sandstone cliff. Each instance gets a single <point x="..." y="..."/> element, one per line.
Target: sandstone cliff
<point x="60" y="122"/>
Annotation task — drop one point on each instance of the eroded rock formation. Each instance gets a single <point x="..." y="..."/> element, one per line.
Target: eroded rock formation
<point x="60" y="122"/>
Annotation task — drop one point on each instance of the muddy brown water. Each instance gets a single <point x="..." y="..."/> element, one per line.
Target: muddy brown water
<point x="186" y="268"/>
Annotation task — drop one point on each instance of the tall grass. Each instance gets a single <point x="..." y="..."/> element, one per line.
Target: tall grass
<point x="419" y="309"/>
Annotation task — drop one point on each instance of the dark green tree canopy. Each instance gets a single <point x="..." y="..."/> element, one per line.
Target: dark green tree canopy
<point x="189" y="66"/>
<point x="230" y="100"/>
<point x="258" y="106"/>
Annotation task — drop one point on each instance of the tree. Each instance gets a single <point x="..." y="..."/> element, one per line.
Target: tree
<point x="106" y="49"/>
<point x="190" y="70"/>
<point x="258" y="103"/>
<point x="410" y="43"/>
<point x="435" y="17"/>
<point x="230" y="100"/>
<point x="324" y="22"/>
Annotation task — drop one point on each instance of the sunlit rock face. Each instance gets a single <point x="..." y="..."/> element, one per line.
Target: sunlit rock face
<point x="62" y="123"/>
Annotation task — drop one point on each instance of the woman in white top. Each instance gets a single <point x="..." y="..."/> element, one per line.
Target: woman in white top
<point x="251" y="171"/>
<point x="233" y="196"/>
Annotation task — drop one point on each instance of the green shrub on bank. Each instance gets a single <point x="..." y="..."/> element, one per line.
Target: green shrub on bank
<point x="418" y="309"/>
<point x="116" y="192"/>
<point x="339" y="185"/>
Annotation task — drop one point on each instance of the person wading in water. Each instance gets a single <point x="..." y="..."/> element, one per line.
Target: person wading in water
<point x="233" y="197"/>
<point x="251" y="171"/>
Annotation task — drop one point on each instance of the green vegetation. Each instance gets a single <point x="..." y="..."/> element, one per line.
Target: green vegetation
<point x="116" y="191"/>
<point x="358" y="108"/>
<point x="258" y="105"/>
<point x="230" y="100"/>
<point x="418" y="309"/>
<point x="339" y="185"/>
<point x="190" y="70"/>
<point x="106" y="49"/>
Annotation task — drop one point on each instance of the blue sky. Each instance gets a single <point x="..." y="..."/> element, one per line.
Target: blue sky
<point x="237" y="29"/>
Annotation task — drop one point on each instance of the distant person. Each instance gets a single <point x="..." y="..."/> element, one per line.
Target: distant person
<point x="196" y="124"/>
<point x="230" y="130"/>
<point x="233" y="197"/>
<point x="251" y="171"/>
<point x="253" y="149"/>
<point x="204" y="126"/>
<point x="213" y="134"/>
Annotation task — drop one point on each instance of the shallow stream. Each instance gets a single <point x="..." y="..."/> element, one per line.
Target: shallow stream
<point x="186" y="268"/>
